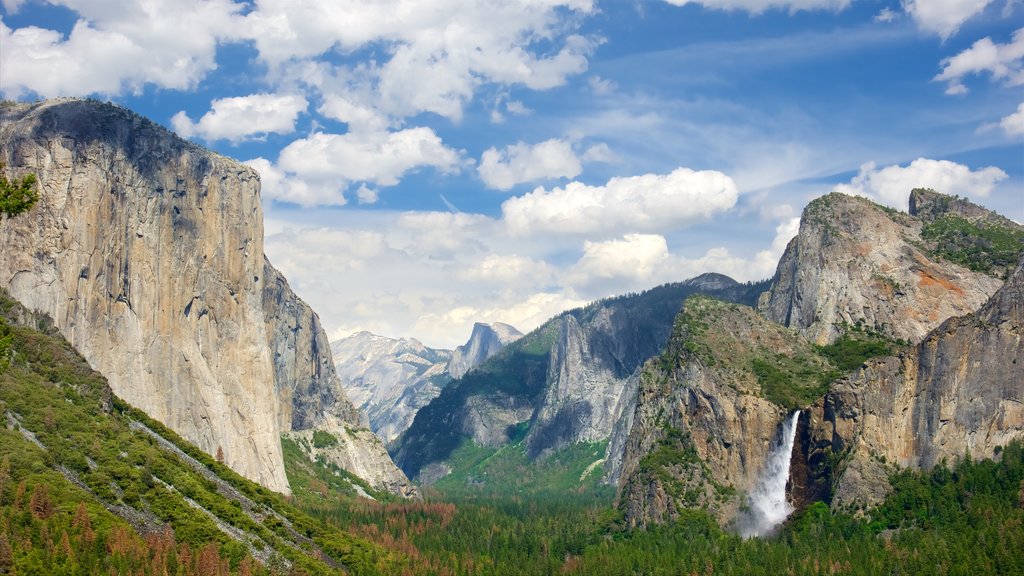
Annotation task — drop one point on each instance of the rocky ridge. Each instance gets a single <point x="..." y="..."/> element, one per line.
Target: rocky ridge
<point x="572" y="380"/>
<point x="389" y="379"/>
<point x="147" y="251"/>
<point x="957" y="390"/>
<point x="857" y="263"/>
<point x="485" y="341"/>
<point x="705" y="418"/>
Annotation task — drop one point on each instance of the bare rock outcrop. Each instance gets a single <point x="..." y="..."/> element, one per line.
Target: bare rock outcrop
<point x="485" y="341"/>
<point x="147" y="251"/>
<point x="389" y="379"/>
<point x="704" y="420"/>
<point x="857" y="263"/>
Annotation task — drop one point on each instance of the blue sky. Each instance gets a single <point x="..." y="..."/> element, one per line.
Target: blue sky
<point x="430" y="164"/>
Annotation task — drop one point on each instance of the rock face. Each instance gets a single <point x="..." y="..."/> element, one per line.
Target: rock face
<point x="855" y="262"/>
<point x="960" y="390"/>
<point x="360" y="452"/>
<point x="571" y="380"/>
<point x="147" y="251"/>
<point x="308" y="388"/>
<point x="389" y="379"/>
<point x="485" y="341"/>
<point x="703" y="426"/>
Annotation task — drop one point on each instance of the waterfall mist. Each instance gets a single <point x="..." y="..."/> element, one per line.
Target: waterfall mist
<point x="767" y="505"/>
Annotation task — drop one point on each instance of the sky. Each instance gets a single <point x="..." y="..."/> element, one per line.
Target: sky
<point x="430" y="164"/>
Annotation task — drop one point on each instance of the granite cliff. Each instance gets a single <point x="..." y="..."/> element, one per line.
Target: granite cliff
<point x="857" y="263"/>
<point x="391" y="379"/>
<point x="709" y="408"/>
<point x="959" y="391"/>
<point x="147" y="251"/>
<point x="571" y="380"/>
<point x="485" y="341"/>
<point x="905" y="349"/>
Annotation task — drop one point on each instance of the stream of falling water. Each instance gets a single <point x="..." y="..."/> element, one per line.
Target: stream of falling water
<point x="767" y="505"/>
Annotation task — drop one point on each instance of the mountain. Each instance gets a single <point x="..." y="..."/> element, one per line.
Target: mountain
<point x="389" y="379"/>
<point x="712" y="409"/>
<point x="857" y="263"/>
<point x="571" y="380"/>
<point x="485" y="341"/>
<point x="708" y="409"/>
<point x="147" y="251"/>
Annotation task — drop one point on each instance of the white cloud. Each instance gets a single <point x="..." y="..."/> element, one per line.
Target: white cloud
<point x="648" y="203"/>
<point x="317" y="170"/>
<point x="243" y="117"/>
<point x="886" y="15"/>
<point x="1013" y="124"/>
<point x="601" y="86"/>
<point x="359" y="118"/>
<point x="521" y="162"/>
<point x="635" y="259"/>
<point x="759" y="6"/>
<point x="437" y="53"/>
<point x="892" y="185"/>
<point x="367" y="195"/>
<point x="1004" y="62"/>
<point x="116" y="47"/>
<point x="943" y="17"/>
<point x="508" y="269"/>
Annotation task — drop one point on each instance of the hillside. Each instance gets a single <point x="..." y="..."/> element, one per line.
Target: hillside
<point x="89" y="484"/>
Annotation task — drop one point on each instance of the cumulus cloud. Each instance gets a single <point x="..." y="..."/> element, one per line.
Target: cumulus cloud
<point x="317" y="170"/>
<point x="892" y="185"/>
<point x="633" y="257"/>
<point x="508" y="269"/>
<point x="648" y="203"/>
<point x="943" y="17"/>
<point x="438" y="53"/>
<point x="243" y="117"/>
<point x="759" y="6"/>
<point x="521" y="162"/>
<point x="1013" y="124"/>
<point x="117" y="47"/>
<point x="1005" y="62"/>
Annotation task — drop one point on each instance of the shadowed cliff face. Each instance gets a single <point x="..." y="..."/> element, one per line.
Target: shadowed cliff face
<point x="572" y="380"/>
<point x="148" y="253"/>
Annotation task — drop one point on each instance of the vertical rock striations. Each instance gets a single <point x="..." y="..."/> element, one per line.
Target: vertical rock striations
<point x="572" y="380"/>
<point x="706" y="416"/>
<point x="960" y="391"/>
<point x="147" y="251"/>
<point x="485" y="341"/>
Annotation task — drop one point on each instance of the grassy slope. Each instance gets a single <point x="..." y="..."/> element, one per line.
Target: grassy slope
<point x="96" y="461"/>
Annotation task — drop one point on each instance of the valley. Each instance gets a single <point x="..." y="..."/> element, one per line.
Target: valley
<point x="171" y="406"/>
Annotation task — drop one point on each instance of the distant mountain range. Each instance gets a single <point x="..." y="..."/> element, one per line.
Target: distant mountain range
<point x="390" y="380"/>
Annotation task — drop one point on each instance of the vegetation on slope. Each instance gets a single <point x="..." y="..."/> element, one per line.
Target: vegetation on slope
<point x="17" y="196"/>
<point x="968" y="519"/>
<point x="982" y="247"/>
<point x="90" y="485"/>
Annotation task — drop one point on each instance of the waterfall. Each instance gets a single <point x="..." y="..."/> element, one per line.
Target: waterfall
<point x="767" y="505"/>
